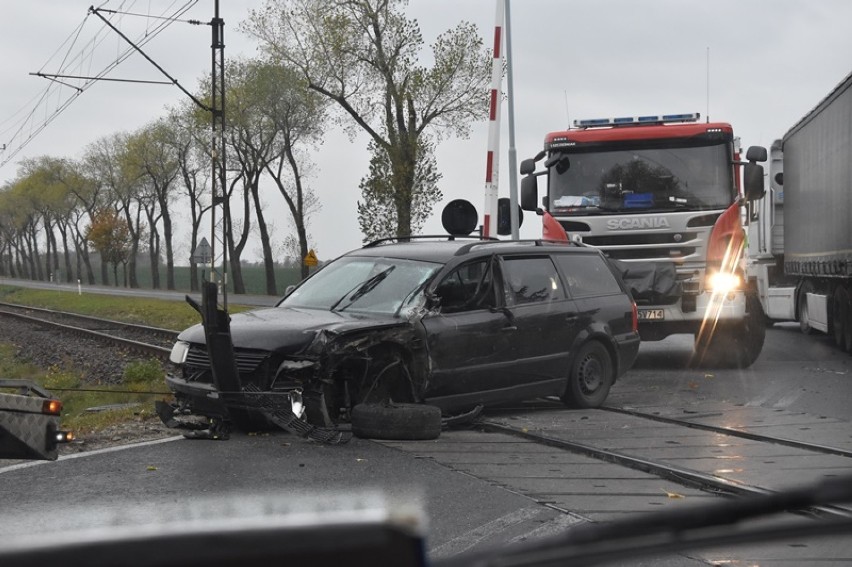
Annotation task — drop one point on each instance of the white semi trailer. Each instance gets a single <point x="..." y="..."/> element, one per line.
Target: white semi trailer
<point x="800" y="233"/>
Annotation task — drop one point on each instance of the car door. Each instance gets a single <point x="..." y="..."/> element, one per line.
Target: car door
<point x="602" y="304"/>
<point x="545" y="319"/>
<point x="468" y="337"/>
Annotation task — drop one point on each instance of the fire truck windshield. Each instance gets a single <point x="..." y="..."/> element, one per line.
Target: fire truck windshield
<point x="641" y="177"/>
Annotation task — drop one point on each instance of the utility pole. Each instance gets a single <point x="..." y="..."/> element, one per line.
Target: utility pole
<point x="218" y="223"/>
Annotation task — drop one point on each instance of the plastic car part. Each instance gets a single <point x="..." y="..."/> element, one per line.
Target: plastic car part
<point x="283" y="417"/>
<point x="400" y="422"/>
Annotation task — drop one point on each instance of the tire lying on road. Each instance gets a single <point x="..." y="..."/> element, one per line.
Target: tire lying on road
<point x="398" y="422"/>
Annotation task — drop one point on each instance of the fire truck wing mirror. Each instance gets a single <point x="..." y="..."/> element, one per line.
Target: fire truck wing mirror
<point x="756" y="153"/>
<point x="561" y="162"/>
<point x="779" y="178"/>
<point x="529" y="193"/>
<point x="753" y="181"/>
<point x="527" y="166"/>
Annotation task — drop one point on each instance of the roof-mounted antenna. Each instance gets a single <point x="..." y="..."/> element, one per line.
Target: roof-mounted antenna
<point x="707" y="114"/>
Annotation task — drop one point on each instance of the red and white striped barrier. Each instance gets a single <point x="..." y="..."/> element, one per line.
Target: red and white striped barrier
<point x="489" y="224"/>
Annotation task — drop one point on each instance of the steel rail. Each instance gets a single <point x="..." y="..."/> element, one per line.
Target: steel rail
<point x="168" y="333"/>
<point x="137" y="346"/>
<point x="680" y="475"/>
<point x="817" y="448"/>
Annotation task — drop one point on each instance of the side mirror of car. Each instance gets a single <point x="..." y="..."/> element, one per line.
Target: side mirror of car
<point x="433" y="301"/>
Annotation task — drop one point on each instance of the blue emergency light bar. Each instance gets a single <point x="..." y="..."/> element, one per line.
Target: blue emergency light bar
<point x="625" y="120"/>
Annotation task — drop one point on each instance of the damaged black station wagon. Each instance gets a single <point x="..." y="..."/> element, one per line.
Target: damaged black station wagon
<point x="393" y="335"/>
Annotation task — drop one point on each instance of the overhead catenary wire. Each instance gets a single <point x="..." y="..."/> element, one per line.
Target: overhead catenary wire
<point x="38" y="112"/>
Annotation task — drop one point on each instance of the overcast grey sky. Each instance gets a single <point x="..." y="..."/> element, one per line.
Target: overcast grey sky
<point x="770" y="61"/>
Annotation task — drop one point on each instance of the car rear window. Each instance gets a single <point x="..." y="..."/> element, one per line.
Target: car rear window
<point x="531" y="280"/>
<point x="587" y="275"/>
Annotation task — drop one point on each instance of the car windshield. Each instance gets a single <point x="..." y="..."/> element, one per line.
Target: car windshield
<point x="363" y="284"/>
<point x="642" y="178"/>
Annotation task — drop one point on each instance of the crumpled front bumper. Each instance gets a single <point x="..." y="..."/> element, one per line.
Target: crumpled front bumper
<point x="285" y="409"/>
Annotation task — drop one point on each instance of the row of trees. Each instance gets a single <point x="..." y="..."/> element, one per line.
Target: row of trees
<point x="353" y="63"/>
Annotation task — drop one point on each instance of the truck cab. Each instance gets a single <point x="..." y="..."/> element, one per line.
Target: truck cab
<point x="662" y="195"/>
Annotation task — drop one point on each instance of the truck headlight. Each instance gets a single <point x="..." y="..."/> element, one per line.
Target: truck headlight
<point x="179" y="352"/>
<point x="723" y="282"/>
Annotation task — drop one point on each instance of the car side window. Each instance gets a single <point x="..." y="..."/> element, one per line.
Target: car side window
<point x="468" y="287"/>
<point x="587" y="275"/>
<point x="531" y="280"/>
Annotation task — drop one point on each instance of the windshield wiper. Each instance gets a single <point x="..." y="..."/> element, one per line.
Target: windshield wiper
<point x="713" y="525"/>
<point x="362" y="289"/>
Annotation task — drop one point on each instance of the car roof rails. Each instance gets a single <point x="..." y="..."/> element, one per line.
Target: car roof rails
<point x="448" y="237"/>
<point x="526" y="242"/>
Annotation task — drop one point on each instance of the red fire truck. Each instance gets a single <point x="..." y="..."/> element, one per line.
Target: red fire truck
<point x="662" y="196"/>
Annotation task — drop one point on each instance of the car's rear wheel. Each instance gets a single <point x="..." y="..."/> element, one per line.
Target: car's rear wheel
<point x="591" y="377"/>
<point x="405" y="422"/>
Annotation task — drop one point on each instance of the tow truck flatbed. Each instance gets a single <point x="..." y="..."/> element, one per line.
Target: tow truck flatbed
<point x="29" y="422"/>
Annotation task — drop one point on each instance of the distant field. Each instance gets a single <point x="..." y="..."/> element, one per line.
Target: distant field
<point x="253" y="276"/>
<point x="161" y="313"/>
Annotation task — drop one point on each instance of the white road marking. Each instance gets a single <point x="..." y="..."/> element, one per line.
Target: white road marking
<point x="787" y="401"/>
<point x="29" y="464"/>
<point x="553" y="527"/>
<point x="476" y="535"/>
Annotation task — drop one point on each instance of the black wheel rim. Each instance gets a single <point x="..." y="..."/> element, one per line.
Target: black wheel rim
<point x="590" y="373"/>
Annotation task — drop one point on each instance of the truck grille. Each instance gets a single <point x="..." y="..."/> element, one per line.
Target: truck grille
<point x="682" y="241"/>
<point x="649" y="246"/>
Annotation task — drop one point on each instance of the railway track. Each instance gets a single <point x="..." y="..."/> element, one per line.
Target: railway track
<point x="710" y="482"/>
<point x="606" y="463"/>
<point x="142" y="339"/>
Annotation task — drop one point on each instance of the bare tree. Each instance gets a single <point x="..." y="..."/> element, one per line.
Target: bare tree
<point x="189" y="142"/>
<point x="105" y="163"/>
<point x="151" y="156"/>
<point x="364" y="55"/>
<point x="377" y="210"/>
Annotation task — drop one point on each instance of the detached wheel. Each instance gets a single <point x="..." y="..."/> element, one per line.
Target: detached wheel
<point x="591" y="377"/>
<point x="396" y="422"/>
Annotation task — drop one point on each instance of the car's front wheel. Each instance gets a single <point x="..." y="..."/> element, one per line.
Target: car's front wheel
<point x="591" y="377"/>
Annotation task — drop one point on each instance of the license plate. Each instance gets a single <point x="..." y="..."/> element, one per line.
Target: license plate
<point x="651" y="314"/>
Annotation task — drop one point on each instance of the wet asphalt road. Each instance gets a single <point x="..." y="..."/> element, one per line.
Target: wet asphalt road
<point x="476" y="490"/>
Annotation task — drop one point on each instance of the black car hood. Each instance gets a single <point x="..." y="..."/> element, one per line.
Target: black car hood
<point x="291" y="330"/>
